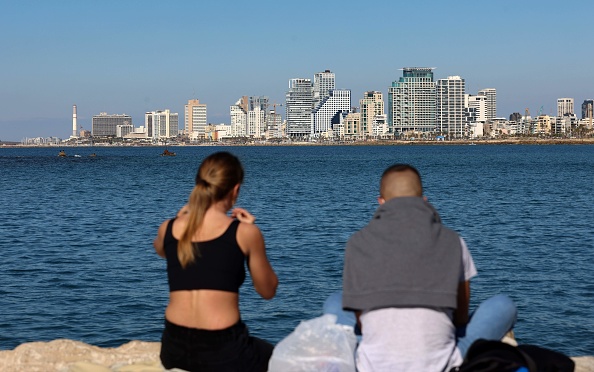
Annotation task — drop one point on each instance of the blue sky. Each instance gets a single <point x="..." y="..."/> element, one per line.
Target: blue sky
<point x="137" y="56"/>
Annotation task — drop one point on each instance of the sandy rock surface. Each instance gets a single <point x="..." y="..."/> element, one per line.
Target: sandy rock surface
<point x="75" y="356"/>
<point x="135" y="356"/>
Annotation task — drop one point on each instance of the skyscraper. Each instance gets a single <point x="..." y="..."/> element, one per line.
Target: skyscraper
<point x="324" y="82"/>
<point x="298" y="107"/>
<point x="491" y="103"/>
<point x="565" y="107"/>
<point x="588" y="109"/>
<point x="450" y="116"/>
<point x="411" y="101"/>
<point x="372" y="107"/>
<point x="330" y="109"/>
<point x="195" y="119"/>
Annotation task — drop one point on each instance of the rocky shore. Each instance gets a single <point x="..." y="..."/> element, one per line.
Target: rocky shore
<point x="135" y="356"/>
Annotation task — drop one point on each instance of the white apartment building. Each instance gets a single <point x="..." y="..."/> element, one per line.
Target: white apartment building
<point x="161" y="124"/>
<point x="450" y="101"/>
<point x="298" y="107"/>
<point x="330" y="110"/>
<point x="248" y="117"/>
<point x="256" y="123"/>
<point x="565" y="107"/>
<point x="491" y="104"/>
<point x="478" y="105"/>
<point x="372" y="112"/>
<point x="195" y="119"/>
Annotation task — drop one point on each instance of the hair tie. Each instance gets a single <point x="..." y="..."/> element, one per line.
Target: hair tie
<point x="202" y="182"/>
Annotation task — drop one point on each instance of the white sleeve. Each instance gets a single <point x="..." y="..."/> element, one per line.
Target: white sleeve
<point x="468" y="268"/>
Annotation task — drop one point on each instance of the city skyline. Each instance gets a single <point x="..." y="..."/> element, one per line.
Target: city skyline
<point x="102" y="56"/>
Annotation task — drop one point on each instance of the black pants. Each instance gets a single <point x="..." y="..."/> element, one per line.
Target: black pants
<point x="230" y="349"/>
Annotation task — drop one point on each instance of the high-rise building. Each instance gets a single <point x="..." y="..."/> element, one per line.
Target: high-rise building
<point x="330" y="110"/>
<point x="248" y="116"/>
<point x="372" y="111"/>
<point x="491" y="103"/>
<point x="477" y="106"/>
<point x="238" y="113"/>
<point x="298" y="107"/>
<point x="161" y="124"/>
<point x="588" y="109"/>
<point x="195" y="119"/>
<point x="105" y="125"/>
<point x="450" y="116"/>
<point x="324" y="82"/>
<point x="565" y="107"/>
<point x="411" y="101"/>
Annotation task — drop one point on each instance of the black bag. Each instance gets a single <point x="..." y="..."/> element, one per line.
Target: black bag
<point x="486" y="356"/>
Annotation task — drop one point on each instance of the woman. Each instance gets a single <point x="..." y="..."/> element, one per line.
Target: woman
<point x="205" y="251"/>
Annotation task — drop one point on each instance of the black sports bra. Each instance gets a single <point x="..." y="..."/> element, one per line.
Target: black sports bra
<point x="219" y="263"/>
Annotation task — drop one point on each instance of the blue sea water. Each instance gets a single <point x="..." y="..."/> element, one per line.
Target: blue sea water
<point x="76" y="256"/>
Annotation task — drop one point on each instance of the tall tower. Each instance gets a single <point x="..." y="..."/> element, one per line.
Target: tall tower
<point x="450" y="106"/>
<point x="324" y="82"/>
<point x="587" y="109"/>
<point x="74" y="127"/>
<point x="371" y="106"/>
<point x="330" y="109"/>
<point x="411" y="101"/>
<point x="195" y="119"/>
<point x="298" y="106"/>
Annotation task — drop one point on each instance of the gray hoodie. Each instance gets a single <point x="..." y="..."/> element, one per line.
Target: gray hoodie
<point x="404" y="257"/>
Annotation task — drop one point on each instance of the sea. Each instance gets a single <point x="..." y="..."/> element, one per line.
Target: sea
<point x="76" y="233"/>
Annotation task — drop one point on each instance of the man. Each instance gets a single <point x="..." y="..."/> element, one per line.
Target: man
<point x="406" y="277"/>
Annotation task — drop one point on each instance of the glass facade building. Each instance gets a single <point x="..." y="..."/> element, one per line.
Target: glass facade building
<point x="411" y="102"/>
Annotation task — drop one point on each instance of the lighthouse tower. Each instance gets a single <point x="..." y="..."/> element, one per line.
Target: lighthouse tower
<point x="74" y="121"/>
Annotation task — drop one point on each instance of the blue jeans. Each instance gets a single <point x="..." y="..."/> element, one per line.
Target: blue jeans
<point x="490" y="321"/>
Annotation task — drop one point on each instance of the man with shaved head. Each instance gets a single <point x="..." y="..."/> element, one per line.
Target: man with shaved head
<point x="406" y="277"/>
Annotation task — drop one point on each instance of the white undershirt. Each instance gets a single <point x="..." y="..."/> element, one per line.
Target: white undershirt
<point x="411" y="339"/>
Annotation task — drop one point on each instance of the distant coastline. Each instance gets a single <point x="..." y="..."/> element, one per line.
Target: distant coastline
<point x="507" y="141"/>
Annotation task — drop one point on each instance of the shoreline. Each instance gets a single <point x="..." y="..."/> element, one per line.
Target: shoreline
<point x="490" y="142"/>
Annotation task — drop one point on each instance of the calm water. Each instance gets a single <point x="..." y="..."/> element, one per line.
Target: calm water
<point x="76" y="256"/>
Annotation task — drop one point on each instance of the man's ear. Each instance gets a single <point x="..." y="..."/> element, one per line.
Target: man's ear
<point x="381" y="200"/>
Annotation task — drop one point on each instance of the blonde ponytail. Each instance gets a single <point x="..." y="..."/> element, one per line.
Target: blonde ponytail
<point x="200" y="201"/>
<point x="218" y="174"/>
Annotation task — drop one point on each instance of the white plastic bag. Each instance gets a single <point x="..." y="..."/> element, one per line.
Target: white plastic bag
<point x="316" y="345"/>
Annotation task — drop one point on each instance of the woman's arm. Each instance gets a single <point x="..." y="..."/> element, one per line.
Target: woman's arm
<point x="251" y="241"/>
<point x="159" y="241"/>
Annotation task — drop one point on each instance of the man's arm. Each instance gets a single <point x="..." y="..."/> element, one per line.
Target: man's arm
<point x="463" y="302"/>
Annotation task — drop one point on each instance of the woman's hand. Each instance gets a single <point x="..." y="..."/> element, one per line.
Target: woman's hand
<point x="242" y="215"/>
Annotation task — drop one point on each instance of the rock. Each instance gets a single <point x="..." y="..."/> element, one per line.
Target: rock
<point x="135" y="356"/>
<point x="75" y="356"/>
<point x="584" y="363"/>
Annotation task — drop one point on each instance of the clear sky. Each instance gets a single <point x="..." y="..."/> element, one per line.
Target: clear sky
<point x="135" y="56"/>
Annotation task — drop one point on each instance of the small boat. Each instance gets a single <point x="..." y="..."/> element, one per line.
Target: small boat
<point x="77" y="156"/>
<point x="62" y="154"/>
<point x="168" y="153"/>
<point x="93" y="155"/>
